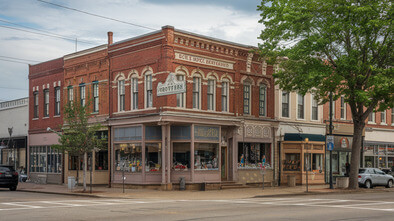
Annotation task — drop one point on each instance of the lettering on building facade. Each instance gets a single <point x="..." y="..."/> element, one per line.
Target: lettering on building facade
<point x="205" y="61"/>
<point x="171" y="86"/>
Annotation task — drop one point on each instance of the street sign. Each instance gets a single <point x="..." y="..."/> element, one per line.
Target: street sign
<point x="330" y="142"/>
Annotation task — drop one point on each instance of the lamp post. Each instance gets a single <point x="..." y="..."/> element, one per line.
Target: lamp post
<point x="10" y="130"/>
<point x="307" y="162"/>
<point x="330" y="132"/>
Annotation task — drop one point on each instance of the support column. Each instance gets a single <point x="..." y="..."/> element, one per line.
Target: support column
<point x="192" y="154"/>
<point x="163" y="154"/>
<point x="143" y="155"/>
<point x="168" y="149"/>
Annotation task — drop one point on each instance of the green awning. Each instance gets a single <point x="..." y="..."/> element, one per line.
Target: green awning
<point x="301" y="137"/>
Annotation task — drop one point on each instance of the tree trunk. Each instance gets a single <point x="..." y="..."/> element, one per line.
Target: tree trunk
<point x="356" y="153"/>
<point x="85" y="160"/>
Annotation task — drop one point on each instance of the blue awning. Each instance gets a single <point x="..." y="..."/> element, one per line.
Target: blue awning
<point x="301" y="137"/>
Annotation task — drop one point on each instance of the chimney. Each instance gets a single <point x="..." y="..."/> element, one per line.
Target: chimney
<point x="110" y="35"/>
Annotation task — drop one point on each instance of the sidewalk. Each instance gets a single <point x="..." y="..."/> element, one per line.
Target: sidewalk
<point x="105" y="192"/>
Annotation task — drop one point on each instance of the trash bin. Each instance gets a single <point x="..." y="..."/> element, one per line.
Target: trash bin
<point x="182" y="183"/>
<point x="291" y="180"/>
<point x="71" y="182"/>
<point x="342" y="182"/>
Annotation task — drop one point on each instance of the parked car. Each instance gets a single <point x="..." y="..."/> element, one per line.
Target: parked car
<point x="8" y="177"/>
<point x="370" y="177"/>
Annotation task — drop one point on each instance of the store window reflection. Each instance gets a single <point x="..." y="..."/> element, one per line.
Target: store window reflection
<point x="181" y="156"/>
<point x="206" y="156"/>
<point x="153" y="157"/>
<point x="129" y="157"/>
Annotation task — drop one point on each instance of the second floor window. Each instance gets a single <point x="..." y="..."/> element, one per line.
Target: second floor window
<point x="211" y="95"/>
<point x="262" y="100"/>
<point x="371" y="117"/>
<point x="225" y="96"/>
<point x="35" y="95"/>
<point x="247" y="99"/>
<point x="180" y="98"/>
<point x="121" y="95"/>
<point x="70" y="93"/>
<point x="315" y="110"/>
<point x="149" y="95"/>
<point x="82" y="94"/>
<point x="383" y="117"/>
<point x="46" y="103"/>
<point x="57" y="101"/>
<point x="196" y="92"/>
<point x="300" y="106"/>
<point x="343" y="108"/>
<point x="285" y="104"/>
<point x="95" y="97"/>
<point x="134" y="92"/>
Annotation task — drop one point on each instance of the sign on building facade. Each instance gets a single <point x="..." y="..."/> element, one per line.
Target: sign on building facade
<point x="171" y="86"/>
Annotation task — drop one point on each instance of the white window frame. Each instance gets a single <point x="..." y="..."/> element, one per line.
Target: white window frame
<point x="70" y="93"/>
<point x="82" y="94"/>
<point x="121" y="95"/>
<point x="198" y="92"/>
<point x="288" y="104"/>
<point x="181" y="96"/>
<point x="302" y="105"/>
<point x="96" y="98"/>
<point x="46" y="102"/>
<point x="57" y="101"/>
<point x="134" y="93"/>
<point x="224" y="95"/>
<point x="383" y="121"/>
<point x="36" y="106"/>
<point x="148" y="90"/>
<point x="313" y="102"/>
<point x="371" y="121"/>
<point x="211" y="94"/>
<point x="247" y="85"/>
<point x="264" y="113"/>
<point x="343" y="108"/>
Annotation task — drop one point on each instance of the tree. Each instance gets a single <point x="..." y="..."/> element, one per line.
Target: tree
<point x="338" y="46"/>
<point x="79" y="136"/>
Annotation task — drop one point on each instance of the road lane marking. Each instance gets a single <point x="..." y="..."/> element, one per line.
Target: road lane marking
<point x="23" y="205"/>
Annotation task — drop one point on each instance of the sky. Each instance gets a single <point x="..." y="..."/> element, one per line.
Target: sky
<point x="231" y="20"/>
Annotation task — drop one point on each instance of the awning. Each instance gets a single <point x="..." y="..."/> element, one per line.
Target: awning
<point x="301" y="137"/>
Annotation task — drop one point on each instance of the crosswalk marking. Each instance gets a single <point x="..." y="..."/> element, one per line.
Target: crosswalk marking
<point x="300" y="201"/>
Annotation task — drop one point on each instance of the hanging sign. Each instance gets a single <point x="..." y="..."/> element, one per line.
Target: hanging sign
<point x="171" y="86"/>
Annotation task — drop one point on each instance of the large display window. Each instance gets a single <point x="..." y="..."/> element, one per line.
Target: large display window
<point x="153" y="157"/>
<point x="252" y="155"/>
<point x="206" y="156"/>
<point x="44" y="159"/>
<point x="181" y="156"/>
<point x="128" y="157"/>
<point x="292" y="162"/>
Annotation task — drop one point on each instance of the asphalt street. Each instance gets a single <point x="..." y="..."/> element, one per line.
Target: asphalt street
<point x="36" y="206"/>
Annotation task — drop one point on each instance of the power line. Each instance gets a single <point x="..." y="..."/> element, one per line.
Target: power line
<point x="54" y="34"/>
<point x="96" y="15"/>
<point x="13" y="88"/>
<point x="20" y="62"/>
<point x="18" y="58"/>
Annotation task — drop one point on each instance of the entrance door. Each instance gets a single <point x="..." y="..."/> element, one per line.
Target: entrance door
<point x="224" y="163"/>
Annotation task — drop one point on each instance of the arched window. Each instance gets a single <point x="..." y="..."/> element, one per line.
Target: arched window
<point x="247" y="97"/>
<point x="148" y="90"/>
<point x="134" y="93"/>
<point x="263" y="100"/>
<point x="196" y="92"/>
<point x="211" y="91"/>
<point x="121" y="95"/>
<point x="181" y="97"/>
<point x="225" y="97"/>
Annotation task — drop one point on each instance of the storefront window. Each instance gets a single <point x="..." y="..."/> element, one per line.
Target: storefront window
<point x="369" y="161"/>
<point x="317" y="162"/>
<point x="44" y="159"/>
<point x="72" y="162"/>
<point x="307" y="162"/>
<point x="382" y="162"/>
<point x="128" y="157"/>
<point x="181" y="156"/>
<point x="153" y="157"/>
<point x="251" y="155"/>
<point x="391" y="163"/>
<point x="206" y="156"/>
<point x="291" y="162"/>
<point x="101" y="160"/>
<point x="390" y="150"/>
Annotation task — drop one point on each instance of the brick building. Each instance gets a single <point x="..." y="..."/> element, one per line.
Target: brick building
<point x="45" y="110"/>
<point x="186" y="105"/>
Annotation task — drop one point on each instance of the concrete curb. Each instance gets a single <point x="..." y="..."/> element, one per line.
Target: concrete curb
<point x="65" y="194"/>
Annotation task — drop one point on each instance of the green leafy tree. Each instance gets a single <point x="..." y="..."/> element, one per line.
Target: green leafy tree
<point x="79" y="134"/>
<point x="338" y="46"/>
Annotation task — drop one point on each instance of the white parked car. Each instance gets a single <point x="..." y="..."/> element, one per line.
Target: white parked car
<point x="370" y="177"/>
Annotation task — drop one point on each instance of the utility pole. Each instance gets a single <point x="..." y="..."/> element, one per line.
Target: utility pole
<point x="330" y="133"/>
